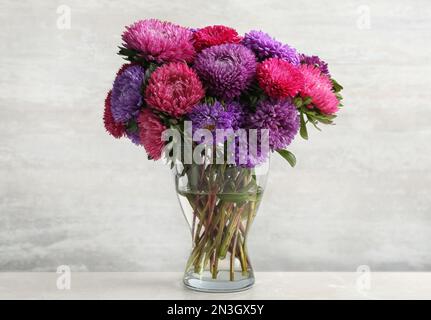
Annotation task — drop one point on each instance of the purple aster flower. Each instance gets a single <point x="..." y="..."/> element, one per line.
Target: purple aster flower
<point x="280" y="118"/>
<point x="264" y="46"/>
<point x="126" y="99"/>
<point x="250" y="152"/>
<point x="237" y="113"/>
<point x="210" y="117"/>
<point x="134" y="137"/>
<point x="227" y="69"/>
<point x="315" y="61"/>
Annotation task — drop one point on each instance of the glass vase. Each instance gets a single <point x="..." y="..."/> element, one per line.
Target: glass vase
<point x="219" y="202"/>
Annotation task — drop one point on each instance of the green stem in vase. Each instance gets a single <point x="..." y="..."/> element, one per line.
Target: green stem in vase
<point x="218" y="238"/>
<point x="242" y="255"/>
<point x="232" y="257"/>
<point x="230" y="231"/>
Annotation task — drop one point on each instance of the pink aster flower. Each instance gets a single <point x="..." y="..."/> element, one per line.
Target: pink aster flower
<point x="150" y="133"/>
<point x="213" y="36"/>
<point x="279" y="78"/>
<point x="318" y="87"/>
<point x="160" y="41"/>
<point x="174" y="88"/>
<point x="115" y="129"/>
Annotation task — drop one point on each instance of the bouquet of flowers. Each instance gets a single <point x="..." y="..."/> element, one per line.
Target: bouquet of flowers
<point x="215" y="104"/>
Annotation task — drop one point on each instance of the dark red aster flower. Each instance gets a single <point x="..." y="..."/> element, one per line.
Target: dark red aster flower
<point x="151" y="133"/>
<point x="115" y="129"/>
<point x="213" y="36"/>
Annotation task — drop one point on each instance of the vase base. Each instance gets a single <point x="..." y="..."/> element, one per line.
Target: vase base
<point x="205" y="283"/>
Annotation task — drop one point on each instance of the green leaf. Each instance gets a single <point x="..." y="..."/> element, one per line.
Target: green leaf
<point x="307" y="101"/>
<point x="337" y="87"/>
<point x="132" y="126"/>
<point x="339" y="96"/>
<point x="325" y="119"/>
<point x="289" y="156"/>
<point x="313" y="121"/>
<point x="298" y="102"/>
<point x="303" y="129"/>
<point x="239" y="197"/>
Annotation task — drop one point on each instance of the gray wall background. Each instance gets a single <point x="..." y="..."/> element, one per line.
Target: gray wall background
<point x="70" y="194"/>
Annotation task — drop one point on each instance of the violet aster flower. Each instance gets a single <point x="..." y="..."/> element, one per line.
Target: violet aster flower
<point x="237" y="113"/>
<point x="280" y="118"/>
<point x="249" y="153"/>
<point x="160" y="41"/>
<point x="210" y="117"/>
<point x="317" y="62"/>
<point x="134" y="137"/>
<point x="227" y="69"/>
<point x="126" y="98"/>
<point x="264" y="46"/>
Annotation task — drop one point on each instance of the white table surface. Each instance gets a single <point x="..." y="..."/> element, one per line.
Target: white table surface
<point x="168" y="285"/>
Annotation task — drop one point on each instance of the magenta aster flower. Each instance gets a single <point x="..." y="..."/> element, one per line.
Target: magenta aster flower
<point x="126" y="99"/>
<point x="174" y="88"/>
<point x="318" y="87"/>
<point x="280" y="118"/>
<point x="150" y="133"/>
<point x="279" y="78"/>
<point x="227" y="69"/>
<point x="264" y="46"/>
<point x="160" y="41"/>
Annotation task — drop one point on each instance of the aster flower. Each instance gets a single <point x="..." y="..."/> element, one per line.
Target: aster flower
<point x="126" y="99"/>
<point x="210" y="117"/>
<point x="318" y="87"/>
<point x="230" y="116"/>
<point x="174" y="88"/>
<point x="160" y="41"/>
<point x="317" y="62"/>
<point x="115" y="129"/>
<point x="150" y="133"/>
<point x="280" y="118"/>
<point x="134" y="137"/>
<point x="124" y="67"/>
<point x="237" y="114"/>
<point x="264" y="46"/>
<point x="279" y="78"/>
<point x="217" y="116"/>
<point x="227" y="69"/>
<point x="249" y="153"/>
<point x="213" y="36"/>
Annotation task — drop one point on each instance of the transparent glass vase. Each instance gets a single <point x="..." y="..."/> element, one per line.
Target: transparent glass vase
<point x="219" y="202"/>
